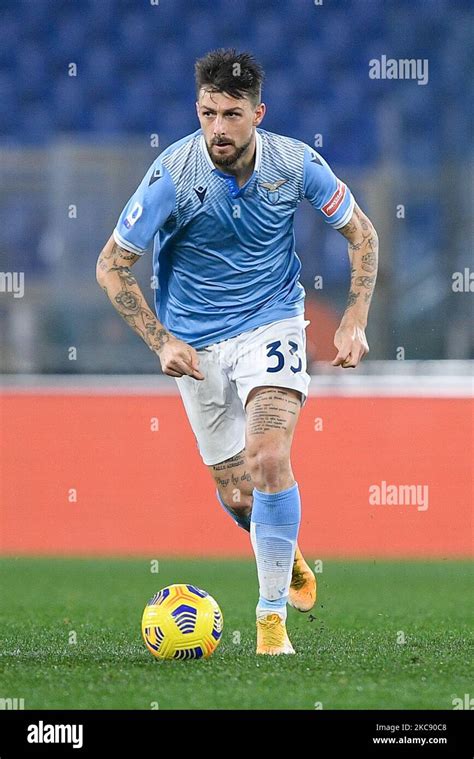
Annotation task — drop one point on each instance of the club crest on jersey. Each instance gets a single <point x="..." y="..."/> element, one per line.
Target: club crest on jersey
<point x="270" y="190"/>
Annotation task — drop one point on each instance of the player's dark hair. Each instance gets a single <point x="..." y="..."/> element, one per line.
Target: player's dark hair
<point x="235" y="74"/>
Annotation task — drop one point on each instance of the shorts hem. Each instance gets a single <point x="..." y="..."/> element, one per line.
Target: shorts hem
<point x="304" y="395"/>
<point x="233" y="451"/>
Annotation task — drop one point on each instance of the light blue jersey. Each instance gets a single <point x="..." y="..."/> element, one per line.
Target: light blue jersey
<point x="224" y="257"/>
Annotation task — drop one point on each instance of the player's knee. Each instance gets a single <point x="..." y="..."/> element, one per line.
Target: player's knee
<point x="269" y="467"/>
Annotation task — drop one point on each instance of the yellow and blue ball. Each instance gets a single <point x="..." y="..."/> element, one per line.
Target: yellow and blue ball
<point x="182" y="622"/>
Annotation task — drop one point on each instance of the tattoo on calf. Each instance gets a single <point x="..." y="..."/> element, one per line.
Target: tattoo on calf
<point x="234" y="461"/>
<point x="220" y="470"/>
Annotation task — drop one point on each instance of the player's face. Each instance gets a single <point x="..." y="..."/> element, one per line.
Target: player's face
<point x="228" y="125"/>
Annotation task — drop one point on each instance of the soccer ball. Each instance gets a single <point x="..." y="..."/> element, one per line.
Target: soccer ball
<point x="182" y="622"/>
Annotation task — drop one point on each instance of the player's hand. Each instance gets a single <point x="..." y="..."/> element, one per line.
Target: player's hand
<point x="178" y="358"/>
<point x="351" y="344"/>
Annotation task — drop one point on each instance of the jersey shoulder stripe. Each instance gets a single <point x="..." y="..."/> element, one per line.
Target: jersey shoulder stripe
<point x="179" y="154"/>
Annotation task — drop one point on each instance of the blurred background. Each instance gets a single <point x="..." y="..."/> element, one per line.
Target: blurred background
<point x="92" y="90"/>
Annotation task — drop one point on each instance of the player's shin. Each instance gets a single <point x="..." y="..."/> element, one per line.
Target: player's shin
<point x="274" y="529"/>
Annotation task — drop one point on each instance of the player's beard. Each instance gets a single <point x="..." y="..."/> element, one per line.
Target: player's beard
<point x="229" y="160"/>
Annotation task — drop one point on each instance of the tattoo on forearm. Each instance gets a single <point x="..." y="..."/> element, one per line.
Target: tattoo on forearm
<point x="372" y="243"/>
<point x="129" y="300"/>
<point x="125" y="274"/>
<point x="363" y="254"/>
<point x="352" y="298"/>
<point x="369" y="261"/>
<point x="160" y="338"/>
<point x="117" y="251"/>
<point x="365" y="281"/>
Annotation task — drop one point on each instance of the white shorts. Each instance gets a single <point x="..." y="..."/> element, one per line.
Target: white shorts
<point x="274" y="354"/>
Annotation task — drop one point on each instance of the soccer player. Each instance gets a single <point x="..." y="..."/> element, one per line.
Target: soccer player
<point x="230" y="326"/>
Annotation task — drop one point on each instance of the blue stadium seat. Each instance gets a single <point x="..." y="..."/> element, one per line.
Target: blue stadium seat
<point x="101" y="71"/>
<point x="135" y="67"/>
<point x="69" y="37"/>
<point x="70" y="106"/>
<point x="37" y="122"/>
<point x="171" y="69"/>
<point x="32" y="76"/>
<point x="266" y="35"/>
<point x="107" y="117"/>
<point x="137" y="102"/>
<point x="10" y="29"/>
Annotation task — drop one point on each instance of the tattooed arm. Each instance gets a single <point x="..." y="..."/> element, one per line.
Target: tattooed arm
<point x="350" y="338"/>
<point x="114" y="276"/>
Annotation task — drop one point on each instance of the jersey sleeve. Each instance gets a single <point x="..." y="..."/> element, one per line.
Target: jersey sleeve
<point x="325" y="191"/>
<point x="147" y="210"/>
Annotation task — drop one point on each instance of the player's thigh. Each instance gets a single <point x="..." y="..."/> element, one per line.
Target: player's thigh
<point x="272" y="382"/>
<point x="271" y="417"/>
<point x="273" y="356"/>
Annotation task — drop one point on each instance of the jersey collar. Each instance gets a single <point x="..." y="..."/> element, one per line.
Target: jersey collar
<point x="258" y="152"/>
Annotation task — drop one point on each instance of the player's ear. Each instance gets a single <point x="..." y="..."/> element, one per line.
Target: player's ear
<point x="197" y="108"/>
<point x="259" y="114"/>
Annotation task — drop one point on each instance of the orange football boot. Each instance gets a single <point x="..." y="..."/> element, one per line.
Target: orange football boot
<point x="303" y="584"/>
<point x="272" y="638"/>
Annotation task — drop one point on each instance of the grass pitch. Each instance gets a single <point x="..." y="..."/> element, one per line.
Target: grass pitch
<point x="383" y="635"/>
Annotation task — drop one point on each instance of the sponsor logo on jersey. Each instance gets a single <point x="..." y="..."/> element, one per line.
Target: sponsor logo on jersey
<point x="156" y="175"/>
<point x="315" y="158"/>
<point x="333" y="203"/>
<point x="133" y="216"/>
<point x="201" y="193"/>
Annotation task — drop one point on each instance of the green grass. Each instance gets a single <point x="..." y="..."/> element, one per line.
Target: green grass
<point x="347" y="651"/>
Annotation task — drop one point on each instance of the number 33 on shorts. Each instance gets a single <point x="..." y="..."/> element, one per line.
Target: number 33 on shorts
<point x="274" y="354"/>
<point x="275" y="349"/>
